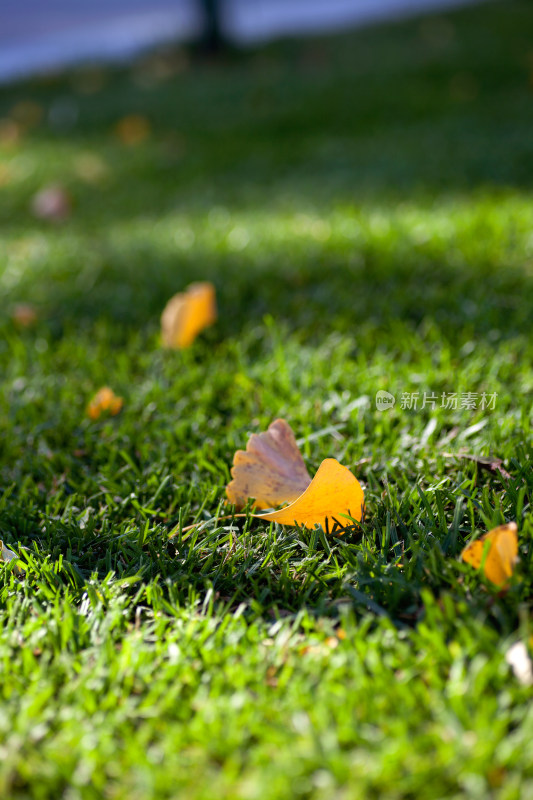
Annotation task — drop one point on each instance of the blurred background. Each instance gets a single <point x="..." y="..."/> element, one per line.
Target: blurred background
<point x="36" y="36"/>
<point x="353" y="175"/>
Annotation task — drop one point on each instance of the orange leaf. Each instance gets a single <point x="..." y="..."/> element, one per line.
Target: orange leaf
<point x="333" y="494"/>
<point x="496" y="552"/>
<point x="271" y="469"/>
<point x="187" y="313"/>
<point x="104" y="400"/>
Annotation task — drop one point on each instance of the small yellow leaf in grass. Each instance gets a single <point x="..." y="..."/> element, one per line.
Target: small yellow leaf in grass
<point x="271" y="469"/>
<point x="273" y="472"/>
<point x="104" y="400"/>
<point x="188" y="313"/>
<point x="8" y="555"/>
<point x="496" y="551"/>
<point x="24" y="315"/>
<point x="133" y="129"/>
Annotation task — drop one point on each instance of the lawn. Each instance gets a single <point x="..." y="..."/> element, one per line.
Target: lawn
<point x="363" y="205"/>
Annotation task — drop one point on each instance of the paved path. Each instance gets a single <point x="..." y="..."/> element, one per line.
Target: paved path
<point x="37" y="35"/>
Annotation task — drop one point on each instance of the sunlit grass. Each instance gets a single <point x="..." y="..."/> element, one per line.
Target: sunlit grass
<point x="363" y="206"/>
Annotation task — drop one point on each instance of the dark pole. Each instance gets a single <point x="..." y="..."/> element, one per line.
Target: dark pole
<point x="213" y="39"/>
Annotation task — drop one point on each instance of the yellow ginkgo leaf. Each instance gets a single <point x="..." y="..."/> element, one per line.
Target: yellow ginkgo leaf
<point x="271" y="469"/>
<point x="496" y="552"/>
<point x="333" y="495"/>
<point x="188" y="313"/>
<point x="104" y="400"/>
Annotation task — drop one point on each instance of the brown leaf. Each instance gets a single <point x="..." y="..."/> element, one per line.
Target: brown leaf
<point x="491" y="464"/>
<point x="271" y="469"/>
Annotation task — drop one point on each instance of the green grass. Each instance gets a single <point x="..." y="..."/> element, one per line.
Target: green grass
<point x="363" y="205"/>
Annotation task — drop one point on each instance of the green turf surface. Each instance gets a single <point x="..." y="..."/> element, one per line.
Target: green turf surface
<point x="363" y="206"/>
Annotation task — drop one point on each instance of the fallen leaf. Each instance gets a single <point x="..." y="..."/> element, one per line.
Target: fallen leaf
<point x="334" y="498"/>
<point x="271" y="469"/>
<point x="51" y="203"/>
<point x="9" y="555"/>
<point x="333" y="495"/>
<point x="133" y="129"/>
<point x="24" y="315"/>
<point x="493" y="464"/>
<point x="496" y="552"/>
<point x="518" y="659"/>
<point x="188" y="313"/>
<point x="104" y="400"/>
